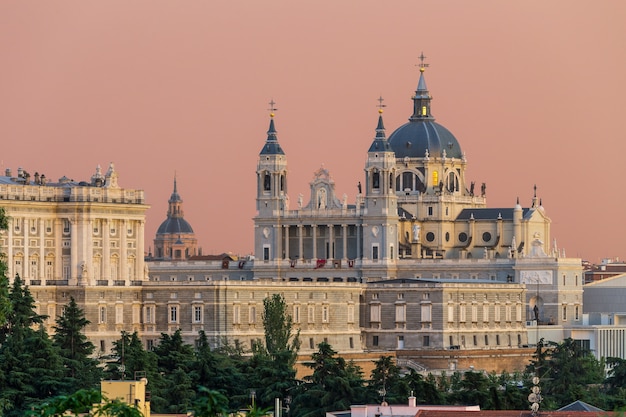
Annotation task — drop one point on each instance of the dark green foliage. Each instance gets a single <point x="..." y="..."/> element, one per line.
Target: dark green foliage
<point x="81" y="369"/>
<point x="273" y="364"/>
<point x="424" y="389"/>
<point x="386" y="384"/>
<point x="334" y="385"/>
<point x="567" y="373"/>
<point x="210" y="403"/>
<point x="220" y="369"/>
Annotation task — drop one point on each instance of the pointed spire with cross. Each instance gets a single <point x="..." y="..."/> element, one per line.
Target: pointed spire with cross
<point x="272" y="108"/>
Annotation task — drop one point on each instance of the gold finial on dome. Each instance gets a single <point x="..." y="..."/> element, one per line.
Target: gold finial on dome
<point x="272" y="108"/>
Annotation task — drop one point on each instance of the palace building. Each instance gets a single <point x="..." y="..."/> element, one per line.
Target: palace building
<point x="415" y="261"/>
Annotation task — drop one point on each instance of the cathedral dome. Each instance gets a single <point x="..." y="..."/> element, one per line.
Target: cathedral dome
<point x="422" y="136"/>
<point x="174" y="225"/>
<point x="416" y="137"/>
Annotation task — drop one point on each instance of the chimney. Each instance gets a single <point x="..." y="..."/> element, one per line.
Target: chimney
<point x="7" y="172"/>
<point x="412" y="402"/>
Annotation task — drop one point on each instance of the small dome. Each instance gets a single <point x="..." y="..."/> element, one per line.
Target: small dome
<point x="415" y="137"/>
<point x="174" y="225"/>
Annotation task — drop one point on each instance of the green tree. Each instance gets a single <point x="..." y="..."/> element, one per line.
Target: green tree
<point x="567" y="373"/>
<point x="210" y="403"/>
<point x="273" y="363"/>
<point x="30" y="365"/>
<point x="424" y="389"/>
<point x="333" y="385"/>
<point x="221" y="370"/>
<point x="175" y="359"/>
<point x="387" y="383"/>
<point x="81" y="369"/>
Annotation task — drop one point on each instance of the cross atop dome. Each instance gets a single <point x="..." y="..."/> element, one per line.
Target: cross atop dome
<point x="422" y="64"/>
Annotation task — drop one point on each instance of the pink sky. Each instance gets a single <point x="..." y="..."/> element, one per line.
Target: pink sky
<point x="534" y="91"/>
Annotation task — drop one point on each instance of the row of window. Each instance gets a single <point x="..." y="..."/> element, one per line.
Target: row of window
<point x="197" y="314"/>
<point x="462" y="342"/>
<point x="33" y="225"/>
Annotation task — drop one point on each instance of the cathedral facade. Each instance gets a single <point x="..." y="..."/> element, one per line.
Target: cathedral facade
<point x="416" y="261"/>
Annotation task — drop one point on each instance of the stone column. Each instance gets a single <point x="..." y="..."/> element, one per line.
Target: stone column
<point x="286" y="240"/>
<point x="300" y="241"/>
<point x="139" y="265"/>
<point x="123" y="265"/>
<point x="58" y="248"/>
<point x="11" y="267"/>
<point x="314" y="234"/>
<point x="42" y="253"/>
<point x="106" y="250"/>
<point x="73" y="252"/>
<point x="331" y="243"/>
<point x="344" y="231"/>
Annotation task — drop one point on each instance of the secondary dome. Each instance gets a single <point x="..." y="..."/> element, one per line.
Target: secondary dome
<point x="174" y="225"/>
<point x="422" y="133"/>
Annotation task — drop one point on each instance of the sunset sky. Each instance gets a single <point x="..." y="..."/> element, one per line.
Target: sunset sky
<point x="534" y="91"/>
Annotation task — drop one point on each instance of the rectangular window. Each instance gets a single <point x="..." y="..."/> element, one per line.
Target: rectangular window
<point x="564" y="314"/>
<point x="351" y="343"/>
<point x="149" y="314"/>
<point x="119" y="314"/>
<point x="150" y="344"/>
<point x="236" y="314"/>
<point x="266" y="253"/>
<point x="136" y="314"/>
<point x="102" y="317"/>
<point x="375" y="340"/>
<point x="375" y="313"/>
<point x="475" y="340"/>
<point x="498" y="339"/>
<point x="426" y="313"/>
<point x="400" y="313"/>
<point x="462" y="312"/>
<point x="426" y="341"/>
<point x="450" y="313"/>
<point x="486" y="313"/>
<point x="197" y="314"/>
<point x="486" y="340"/>
<point x="102" y="346"/>
<point x="252" y="315"/>
<point x="497" y="313"/>
<point x="296" y="314"/>
<point x="173" y="314"/>
<point x="311" y="314"/>
<point x="351" y="313"/>
<point x="474" y="313"/>
<point x="325" y="314"/>
<point x="311" y="343"/>
<point x="375" y="252"/>
<point x="576" y="313"/>
<point x="430" y="211"/>
<point x="507" y="313"/>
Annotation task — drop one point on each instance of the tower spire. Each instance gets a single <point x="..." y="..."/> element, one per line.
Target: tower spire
<point x="422" y="98"/>
<point x="272" y="147"/>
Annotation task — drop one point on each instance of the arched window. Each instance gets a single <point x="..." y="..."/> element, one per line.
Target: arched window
<point x="452" y="182"/>
<point x="267" y="181"/>
<point x="435" y="178"/>
<point x="282" y="182"/>
<point x="407" y="181"/>
<point x="376" y="179"/>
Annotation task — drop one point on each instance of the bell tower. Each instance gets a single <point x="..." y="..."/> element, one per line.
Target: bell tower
<point x="271" y="194"/>
<point x="380" y="231"/>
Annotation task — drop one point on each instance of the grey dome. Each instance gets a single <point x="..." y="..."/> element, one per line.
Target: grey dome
<point x="174" y="225"/>
<point x="415" y="137"/>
